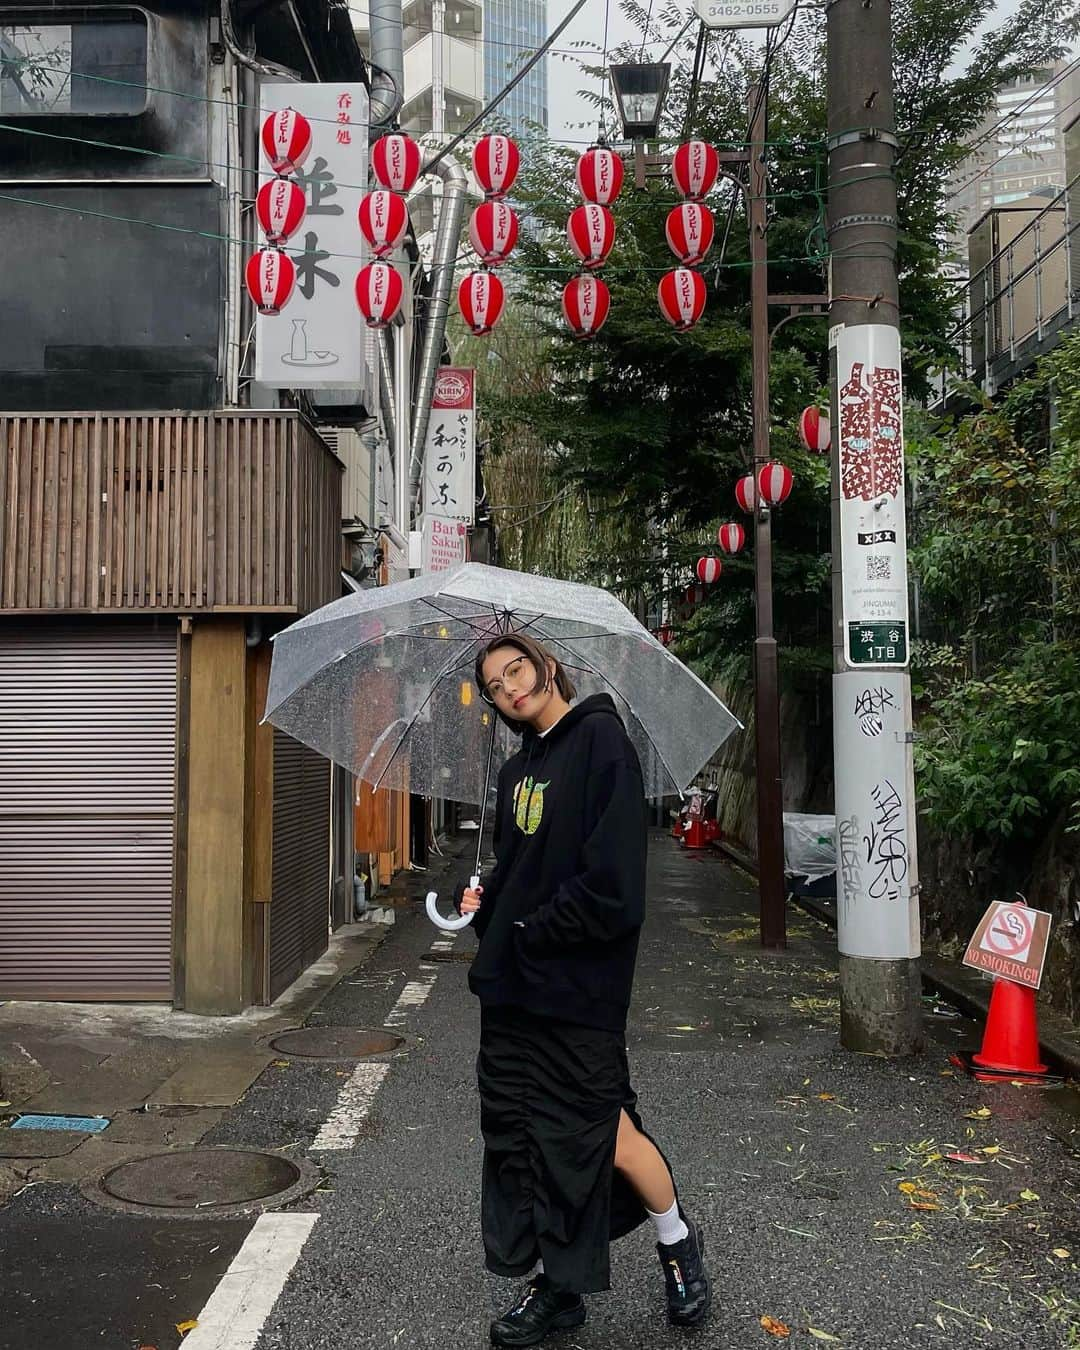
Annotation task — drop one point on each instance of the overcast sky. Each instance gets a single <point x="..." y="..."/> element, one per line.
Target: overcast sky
<point x="565" y="108"/>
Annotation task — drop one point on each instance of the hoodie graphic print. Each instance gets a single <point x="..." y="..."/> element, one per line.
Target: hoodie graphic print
<point x="562" y="909"/>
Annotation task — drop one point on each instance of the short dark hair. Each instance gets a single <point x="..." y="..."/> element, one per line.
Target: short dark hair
<point x="539" y="656"/>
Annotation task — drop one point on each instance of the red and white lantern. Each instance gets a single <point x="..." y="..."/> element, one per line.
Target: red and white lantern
<point x="775" y="482"/>
<point x="585" y="302"/>
<point x="690" y="231"/>
<point x="731" y="536"/>
<point x="493" y="231"/>
<point x="744" y="494"/>
<point x="481" y="298"/>
<point x="495" y="162"/>
<point x="286" y="140"/>
<point x="814" y="431"/>
<point x="395" y="162"/>
<point x="591" y="234"/>
<point x="379" y="292"/>
<point x="695" y="594"/>
<point x="383" y="218"/>
<point x="270" y="276"/>
<point x="279" y="207"/>
<point x="709" y="569"/>
<point x="600" y="175"/>
<point x="694" y="167"/>
<point x="681" y="295"/>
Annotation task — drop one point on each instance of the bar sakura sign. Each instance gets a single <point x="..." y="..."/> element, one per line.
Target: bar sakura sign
<point x="445" y="544"/>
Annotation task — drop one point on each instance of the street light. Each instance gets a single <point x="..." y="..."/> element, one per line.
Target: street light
<point x="639" y="92"/>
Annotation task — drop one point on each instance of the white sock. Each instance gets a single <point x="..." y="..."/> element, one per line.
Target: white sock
<point x="669" y="1225"/>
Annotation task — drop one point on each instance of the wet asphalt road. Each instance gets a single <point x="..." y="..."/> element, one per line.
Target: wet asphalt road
<point x="820" y="1177"/>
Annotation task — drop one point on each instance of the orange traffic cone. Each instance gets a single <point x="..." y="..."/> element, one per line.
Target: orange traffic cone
<point x="1011" y="1039"/>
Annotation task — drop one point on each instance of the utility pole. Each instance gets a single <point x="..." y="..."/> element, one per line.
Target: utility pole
<point x="772" y="888"/>
<point x="877" y="872"/>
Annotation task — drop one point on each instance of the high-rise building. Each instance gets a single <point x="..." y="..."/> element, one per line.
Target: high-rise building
<point x="513" y="30"/>
<point x="1020" y="149"/>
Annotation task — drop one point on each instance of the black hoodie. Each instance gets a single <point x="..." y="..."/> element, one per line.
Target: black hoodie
<point x="562" y="910"/>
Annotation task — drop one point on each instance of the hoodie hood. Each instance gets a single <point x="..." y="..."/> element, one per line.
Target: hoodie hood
<point x="596" y="705"/>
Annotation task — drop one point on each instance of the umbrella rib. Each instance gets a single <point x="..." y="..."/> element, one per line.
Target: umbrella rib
<point x="601" y="676"/>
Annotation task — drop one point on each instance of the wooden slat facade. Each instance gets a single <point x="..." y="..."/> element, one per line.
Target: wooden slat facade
<point x="174" y="512"/>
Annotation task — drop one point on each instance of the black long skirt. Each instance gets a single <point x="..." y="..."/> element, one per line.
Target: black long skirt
<point x="550" y="1097"/>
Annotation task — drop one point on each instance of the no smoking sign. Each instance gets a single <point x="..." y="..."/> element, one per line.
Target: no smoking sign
<point x="1010" y="942"/>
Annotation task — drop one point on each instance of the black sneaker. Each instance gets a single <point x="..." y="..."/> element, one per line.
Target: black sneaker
<point x="540" y="1310"/>
<point x="688" y="1289"/>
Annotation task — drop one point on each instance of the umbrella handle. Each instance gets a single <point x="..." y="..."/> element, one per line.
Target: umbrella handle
<point x="448" y="925"/>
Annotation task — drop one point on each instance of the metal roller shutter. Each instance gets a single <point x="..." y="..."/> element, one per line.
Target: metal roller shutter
<point x="87" y="811"/>
<point x="300" y="897"/>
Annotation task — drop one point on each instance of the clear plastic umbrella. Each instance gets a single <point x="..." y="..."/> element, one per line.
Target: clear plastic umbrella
<point x="381" y="681"/>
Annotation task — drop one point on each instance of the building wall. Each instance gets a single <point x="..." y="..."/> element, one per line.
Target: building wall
<point x="513" y="29"/>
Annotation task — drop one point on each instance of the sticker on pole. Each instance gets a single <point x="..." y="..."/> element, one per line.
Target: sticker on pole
<point x="1010" y="942"/>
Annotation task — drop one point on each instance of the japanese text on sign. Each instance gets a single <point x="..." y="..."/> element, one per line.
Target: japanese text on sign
<point x="450" y="451"/>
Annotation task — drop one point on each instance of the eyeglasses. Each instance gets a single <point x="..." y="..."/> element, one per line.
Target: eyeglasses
<point x="520" y="670"/>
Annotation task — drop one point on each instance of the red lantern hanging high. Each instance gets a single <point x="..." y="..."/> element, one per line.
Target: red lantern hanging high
<point x="744" y="494"/>
<point x="694" y="168"/>
<point x="775" y="482"/>
<point x="395" y="162"/>
<point x="383" y="218"/>
<point x="708" y="570"/>
<point x="279" y="207"/>
<point x="814" y="431"/>
<point x="591" y="234"/>
<point x="585" y="302"/>
<point x="681" y="295"/>
<point x="379" y="292"/>
<point x="481" y="297"/>
<point x="495" y="162"/>
<point x="731" y="536"/>
<point x="270" y="276"/>
<point x="600" y="175"/>
<point x="690" y="230"/>
<point x="493" y="231"/>
<point x="286" y="140"/>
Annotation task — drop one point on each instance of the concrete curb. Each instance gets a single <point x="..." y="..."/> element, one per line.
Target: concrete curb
<point x="966" y="989"/>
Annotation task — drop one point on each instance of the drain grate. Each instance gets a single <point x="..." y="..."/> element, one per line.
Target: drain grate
<point x="204" y="1182"/>
<point x="84" y="1124"/>
<point x="335" y="1042"/>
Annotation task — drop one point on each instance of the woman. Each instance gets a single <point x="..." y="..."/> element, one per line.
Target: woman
<point x="567" y="1164"/>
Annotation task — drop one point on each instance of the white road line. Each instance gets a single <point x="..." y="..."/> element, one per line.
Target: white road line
<point x="237" y="1309"/>
<point x="353" y="1104"/>
<point x="413" y="996"/>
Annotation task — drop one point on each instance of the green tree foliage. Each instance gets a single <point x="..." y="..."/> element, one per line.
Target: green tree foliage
<point x="996" y="678"/>
<point x="653" y="428"/>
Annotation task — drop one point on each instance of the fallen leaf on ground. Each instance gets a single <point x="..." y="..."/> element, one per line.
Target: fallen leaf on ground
<point x="965" y="1157"/>
<point x="1062" y="1253"/>
<point x="908" y="1187"/>
<point x="991" y="1149"/>
<point x="819" y="1335"/>
<point x="980" y="1113"/>
<point x="946" y="1073"/>
<point x="922" y="1204"/>
<point x="281" y="1063"/>
<point x="184" y="1327"/>
<point x="826" y="1097"/>
<point x="773" y="1327"/>
<point x="1028" y="1195"/>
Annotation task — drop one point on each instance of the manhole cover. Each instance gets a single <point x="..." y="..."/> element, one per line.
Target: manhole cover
<point x="204" y="1182"/>
<point x="335" y="1042"/>
<point x="447" y="956"/>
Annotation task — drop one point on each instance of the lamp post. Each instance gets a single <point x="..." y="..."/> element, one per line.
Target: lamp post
<point x="640" y="91"/>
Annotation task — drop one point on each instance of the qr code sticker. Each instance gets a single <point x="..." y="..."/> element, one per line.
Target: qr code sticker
<point x="878" y="568"/>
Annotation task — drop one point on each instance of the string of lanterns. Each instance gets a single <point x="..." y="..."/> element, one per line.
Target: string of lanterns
<point x="280" y="207"/>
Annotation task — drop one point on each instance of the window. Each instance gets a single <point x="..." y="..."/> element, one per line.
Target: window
<point x="88" y="67"/>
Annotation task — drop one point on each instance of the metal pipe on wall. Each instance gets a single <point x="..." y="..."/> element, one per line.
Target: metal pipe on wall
<point x="386" y="385"/>
<point x="455" y="193"/>
<point x="387" y="59"/>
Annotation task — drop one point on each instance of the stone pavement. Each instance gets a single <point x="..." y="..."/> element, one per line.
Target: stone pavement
<point x="823" y="1179"/>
